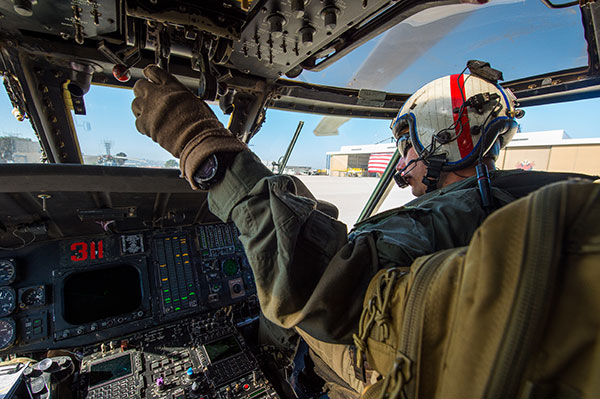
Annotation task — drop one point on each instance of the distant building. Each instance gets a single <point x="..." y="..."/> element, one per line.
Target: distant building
<point x="19" y="150"/>
<point x="360" y="160"/>
<point x="551" y="150"/>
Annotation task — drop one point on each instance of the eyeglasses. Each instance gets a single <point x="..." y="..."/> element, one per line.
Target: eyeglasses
<point x="404" y="144"/>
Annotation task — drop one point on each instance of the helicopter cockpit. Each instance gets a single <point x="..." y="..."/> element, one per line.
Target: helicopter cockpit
<point x="119" y="282"/>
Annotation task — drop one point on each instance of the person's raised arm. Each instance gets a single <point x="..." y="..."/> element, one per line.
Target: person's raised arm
<point x="303" y="279"/>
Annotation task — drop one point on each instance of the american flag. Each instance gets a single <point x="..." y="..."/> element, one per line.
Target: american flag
<point x="379" y="161"/>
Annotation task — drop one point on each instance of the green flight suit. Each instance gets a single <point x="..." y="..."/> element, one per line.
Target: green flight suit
<point x="309" y="273"/>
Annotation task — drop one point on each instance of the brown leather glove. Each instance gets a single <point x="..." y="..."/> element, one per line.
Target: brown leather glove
<point x="179" y="121"/>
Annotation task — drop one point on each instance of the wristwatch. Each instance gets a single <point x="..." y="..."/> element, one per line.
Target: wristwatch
<point x="207" y="173"/>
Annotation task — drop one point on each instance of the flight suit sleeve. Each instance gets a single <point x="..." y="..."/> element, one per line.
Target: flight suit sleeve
<point x="308" y="275"/>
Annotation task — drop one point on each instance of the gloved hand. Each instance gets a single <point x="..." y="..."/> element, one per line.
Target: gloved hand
<point x="179" y="121"/>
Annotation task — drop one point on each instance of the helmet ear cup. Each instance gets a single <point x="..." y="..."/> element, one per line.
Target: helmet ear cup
<point x="511" y="130"/>
<point x="502" y="129"/>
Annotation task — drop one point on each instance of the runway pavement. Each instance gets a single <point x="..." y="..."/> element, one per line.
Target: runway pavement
<point x="350" y="194"/>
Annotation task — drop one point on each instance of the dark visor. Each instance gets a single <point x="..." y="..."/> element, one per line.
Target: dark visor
<point x="404" y="144"/>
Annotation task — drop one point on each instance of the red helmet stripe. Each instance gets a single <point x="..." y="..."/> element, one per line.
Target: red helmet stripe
<point x="464" y="140"/>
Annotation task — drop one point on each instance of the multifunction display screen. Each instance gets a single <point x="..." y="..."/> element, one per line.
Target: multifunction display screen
<point x="104" y="292"/>
<point x="110" y="370"/>
<point x="222" y="348"/>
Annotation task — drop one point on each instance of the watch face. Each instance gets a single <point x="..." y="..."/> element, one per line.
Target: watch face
<point x="208" y="168"/>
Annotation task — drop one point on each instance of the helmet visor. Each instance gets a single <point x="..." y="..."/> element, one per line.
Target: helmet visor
<point x="400" y="125"/>
<point x="404" y="144"/>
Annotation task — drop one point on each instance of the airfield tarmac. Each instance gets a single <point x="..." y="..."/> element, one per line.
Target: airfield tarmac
<point x="350" y="194"/>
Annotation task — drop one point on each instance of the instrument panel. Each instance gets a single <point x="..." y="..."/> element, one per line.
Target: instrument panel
<point x="197" y="357"/>
<point x="82" y="291"/>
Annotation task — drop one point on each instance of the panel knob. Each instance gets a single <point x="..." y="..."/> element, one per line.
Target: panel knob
<point x="329" y="14"/>
<point x="237" y="288"/>
<point x="190" y="373"/>
<point x="307" y="33"/>
<point x="277" y="21"/>
<point x="298" y="8"/>
<point x="23" y="7"/>
<point x="195" y="387"/>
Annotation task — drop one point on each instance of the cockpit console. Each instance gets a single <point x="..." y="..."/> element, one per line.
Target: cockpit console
<point x="154" y="313"/>
<point x="101" y="287"/>
<point x="194" y="358"/>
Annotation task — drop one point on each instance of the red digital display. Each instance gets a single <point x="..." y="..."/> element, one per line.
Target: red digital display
<point x="87" y="250"/>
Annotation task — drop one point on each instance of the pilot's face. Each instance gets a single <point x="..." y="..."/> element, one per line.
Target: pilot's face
<point x="415" y="173"/>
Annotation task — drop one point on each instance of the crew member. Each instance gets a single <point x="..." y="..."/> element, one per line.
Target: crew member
<point x="310" y="274"/>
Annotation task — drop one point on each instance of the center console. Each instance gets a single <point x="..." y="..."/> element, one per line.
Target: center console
<point x="195" y="358"/>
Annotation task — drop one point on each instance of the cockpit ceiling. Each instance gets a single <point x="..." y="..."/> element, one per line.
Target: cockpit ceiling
<point x="264" y="38"/>
<point x="239" y="53"/>
<point x="236" y="43"/>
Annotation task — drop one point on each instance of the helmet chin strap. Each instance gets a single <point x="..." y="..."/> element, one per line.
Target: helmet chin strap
<point x="434" y="171"/>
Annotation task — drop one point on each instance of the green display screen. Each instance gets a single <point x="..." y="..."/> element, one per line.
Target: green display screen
<point x="222" y="348"/>
<point x="110" y="370"/>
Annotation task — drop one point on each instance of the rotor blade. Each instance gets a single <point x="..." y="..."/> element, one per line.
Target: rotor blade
<point x="328" y="126"/>
<point x="396" y="51"/>
<point x="399" y="49"/>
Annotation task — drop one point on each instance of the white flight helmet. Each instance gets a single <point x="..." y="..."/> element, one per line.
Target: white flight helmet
<point x="455" y="120"/>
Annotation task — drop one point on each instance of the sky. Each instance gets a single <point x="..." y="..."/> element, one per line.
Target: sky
<point x="519" y="38"/>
